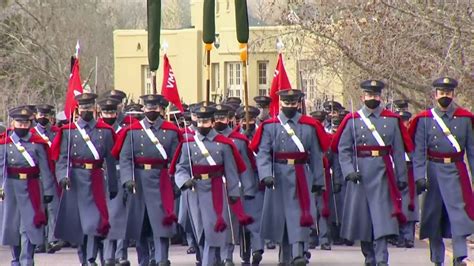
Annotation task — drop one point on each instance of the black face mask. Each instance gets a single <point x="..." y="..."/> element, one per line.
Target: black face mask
<point x="21" y="132"/>
<point x="152" y="115"/>
<point x="194" y="123"/>
<point x="87" y="115"/>
<point x="219" y="126"/>
<point x="109" y="120"/>
<point x="289" y="111"/>
<point x="204" y="130"/>
<point x="445" y="101"/>
<point x="251" y="127"/>
<point x="42" y="121"/>
<point x="372" y="103"/>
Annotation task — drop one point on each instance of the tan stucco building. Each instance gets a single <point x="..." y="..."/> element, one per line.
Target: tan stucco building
<point x="187" y="57"/>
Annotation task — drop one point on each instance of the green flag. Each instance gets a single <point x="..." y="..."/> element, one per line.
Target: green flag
<point x="209" y="22"/>
<point x="242" y="21"/>
<point x="154" y="27"/>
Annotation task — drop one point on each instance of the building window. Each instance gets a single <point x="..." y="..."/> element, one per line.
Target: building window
<point x="234" y="79"/>
<point x="147" y="82"/>
<point x="262" y="78"/>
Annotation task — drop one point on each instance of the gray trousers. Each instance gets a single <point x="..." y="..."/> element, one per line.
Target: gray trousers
<point x="116" y="249"/>
<point x="210" y="255"/>
<point x="52" y="208"/>
<point x="227" y="252"/>
<point x="376" y="251"/>
<point x="324" y="232"/>
<point x="407" y="231"/>
<point x="288" y="252"/>
<point x="23" y="254"/>
<point x="87" y="252"/>
<point x="158" y="249"/>
<point x="437" y="248"/>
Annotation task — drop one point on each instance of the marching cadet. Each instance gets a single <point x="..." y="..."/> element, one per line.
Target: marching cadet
<point x="145" y="150"/>
<point x="406" y="237"/>
<point x="119" y="96"/>
<point x="377" y="136"/>
<point x="253" y="116"/>
<point x="27" y="184"/>
<point x="115" y="245"/>
<point x="47" y="132"/>
<point x="188" y="130"/>
<point x="443" y="135"/>
<point x="82" y="148"/>
<point x="326" y="201"/>
<point x="247" y="180"/>
<point x="336" y="197"/>
<point x="263" y="105"/>
<point x="332" y="109"/>
<point x="319" y="115"/>
<point x="252" y="204"/>
<point x="200" y="164"/>
<point x="289" y="160"/>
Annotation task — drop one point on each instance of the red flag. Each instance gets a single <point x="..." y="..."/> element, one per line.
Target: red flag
<point x="74" y="88"/>
<point x="280" y="82"/>
<point x="169" y="88"/>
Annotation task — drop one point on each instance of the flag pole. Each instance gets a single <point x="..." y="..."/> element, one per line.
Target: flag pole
<point x="243" y="58"/>
<point x="95" y="80"/>
<point x="208" y="72"/>
<point x="208" y="37"/>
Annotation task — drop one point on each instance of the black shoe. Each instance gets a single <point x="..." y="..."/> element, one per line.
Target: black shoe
<point x="438" y="264"/>
<point x="109" y="263"/>
<point x="348" y="243"/>
<point x="40" y="249"/>
<point x="326" y="246"/>
<point x="191" y="250"/>
<point x="338" y="242"/>
<point x="257" y="257"/>
<point x="164" y="263"/>
<point x="460" y="261"/>
<point x="409" y="243"/>
<point x="271" y="245"/>
<point x="54" y="247"/>
<point x="152" y="262"/>
<point x="93" y="263"/>
<point x="123" y="262"/>
<point x="307" y="255"/>
<point x="312" y="245"/>
<point x="401" y="242"/>
<point x="299" y="261"/>
<point x="382" y="264"/>
<point x="228" y="263"/>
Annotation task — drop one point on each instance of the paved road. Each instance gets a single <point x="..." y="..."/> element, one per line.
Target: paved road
<point x="338" y="256"/>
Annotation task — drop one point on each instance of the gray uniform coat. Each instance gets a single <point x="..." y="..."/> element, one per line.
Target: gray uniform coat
<point x="443" y="205"/>
<point x="54" y="204"/>
<point x="186" y="196"/>
<point x="254" y="206"/>
<point x="147" y="182"/>
<point x="78" y="214"/>
<point x="201" y="212"/>
<point x="18" y="212"/>
<point x="281" y="208"/>
<point x="368" y="208"/>
<point x="116" y="206"/>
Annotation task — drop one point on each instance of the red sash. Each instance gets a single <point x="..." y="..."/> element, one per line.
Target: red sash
<point x="166" y="189"/>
